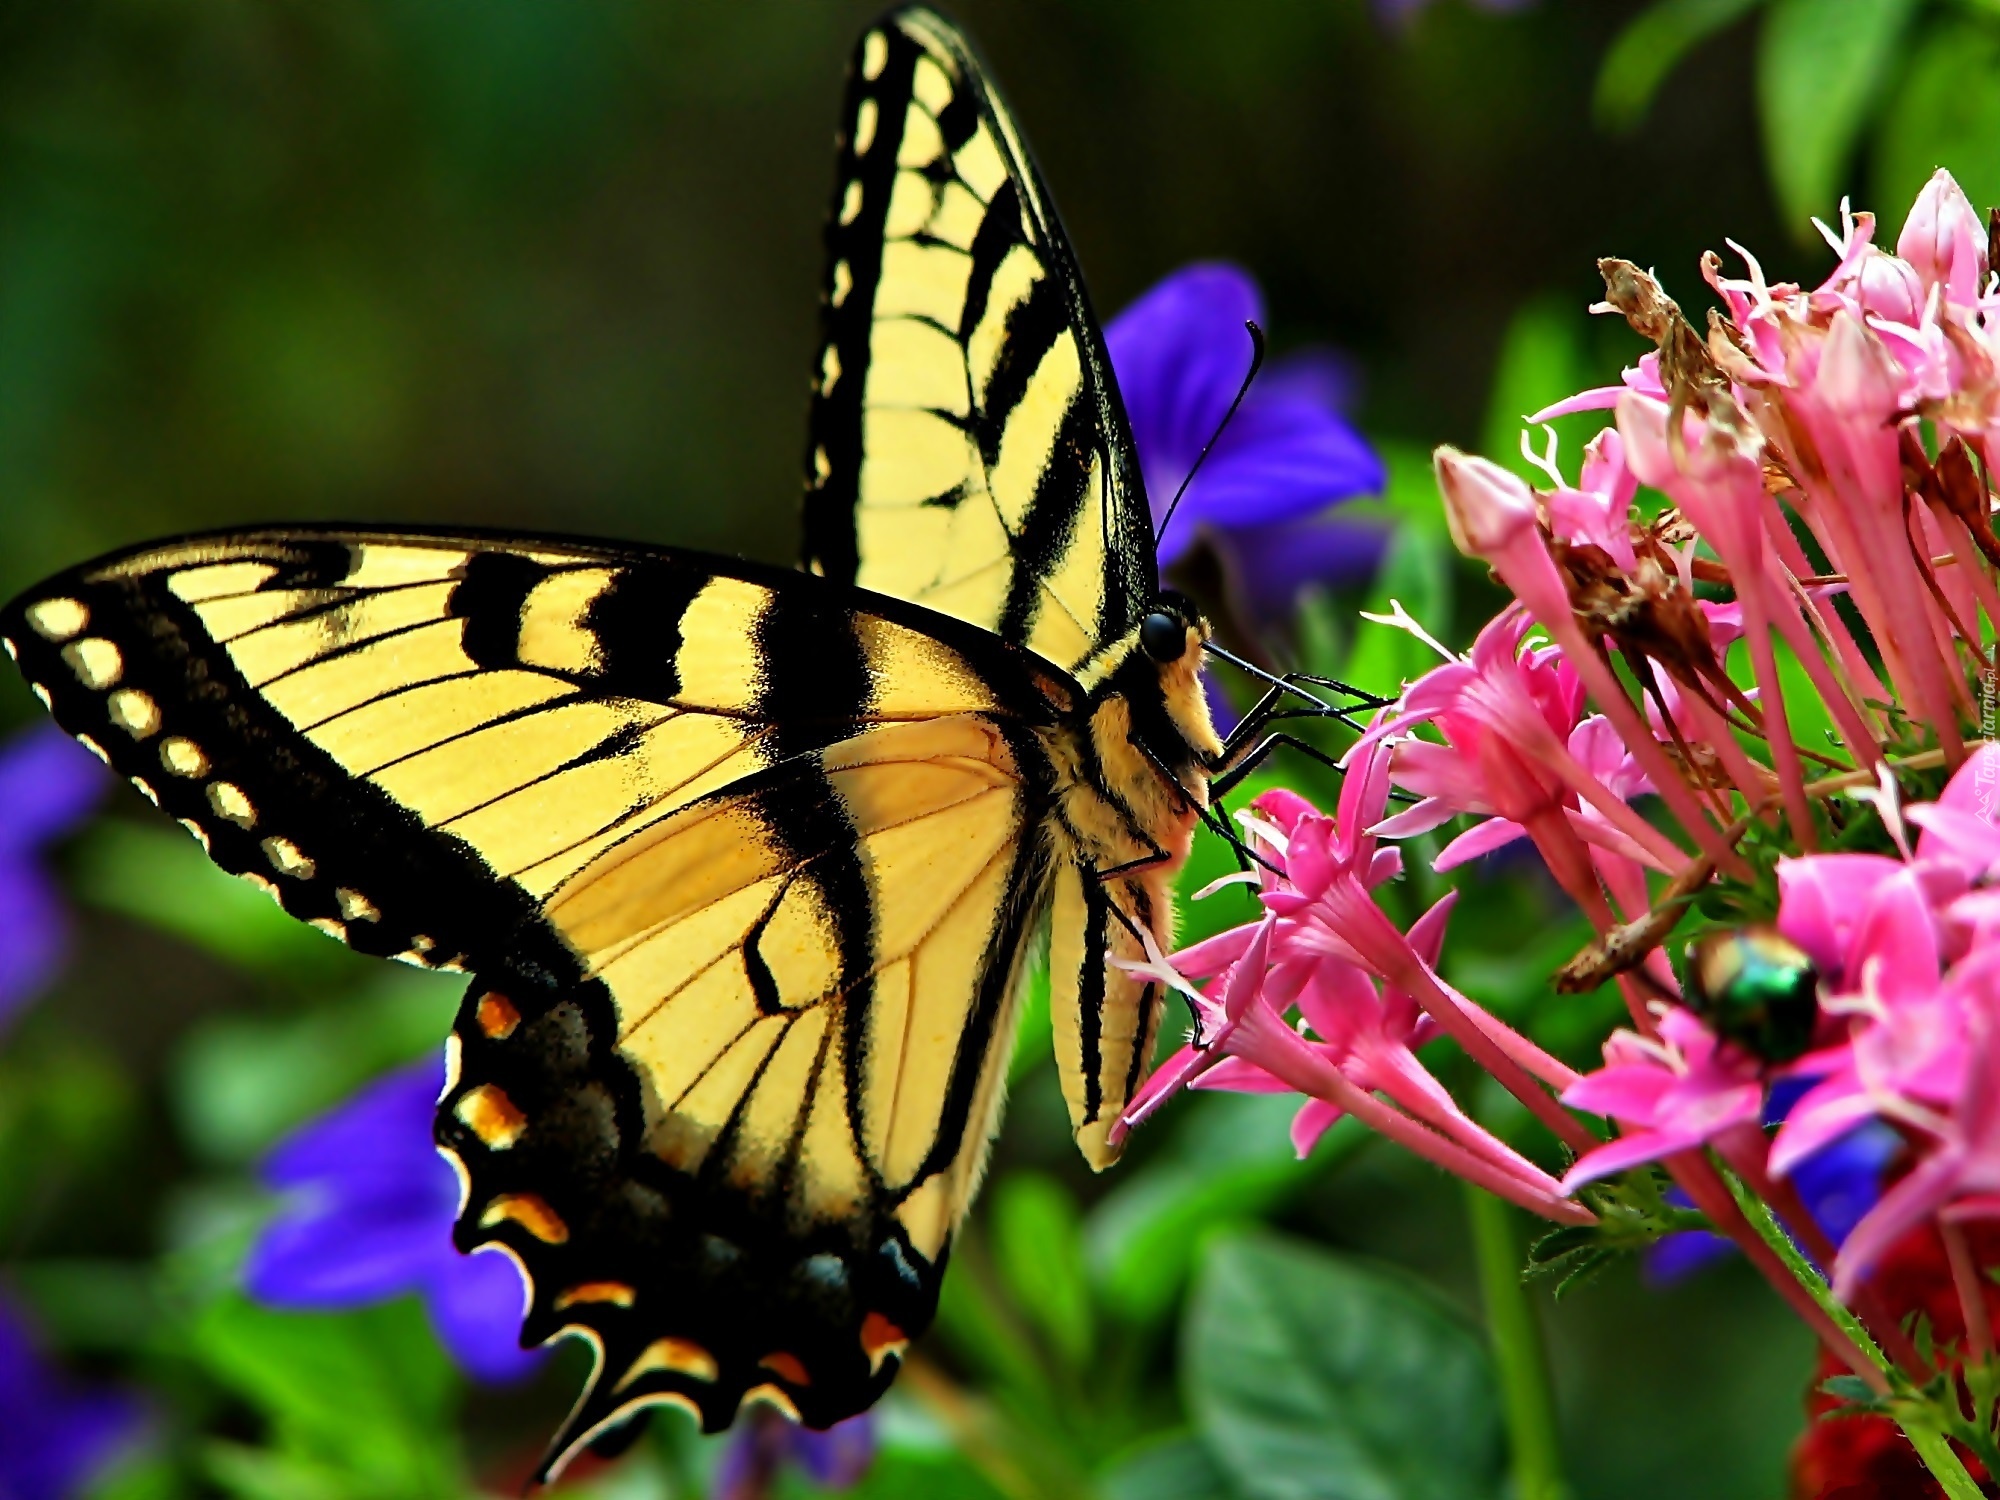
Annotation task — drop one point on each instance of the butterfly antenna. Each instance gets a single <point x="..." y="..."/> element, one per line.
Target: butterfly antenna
<point x="1256" y="364"/>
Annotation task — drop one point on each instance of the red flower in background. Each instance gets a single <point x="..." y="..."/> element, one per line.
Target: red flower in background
<point x="1865" y="1457"/>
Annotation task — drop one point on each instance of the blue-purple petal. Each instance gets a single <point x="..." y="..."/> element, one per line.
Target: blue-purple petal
<point x="368" y="1216"/>
<point x="475" y="1303"/>
<point x="347" y="1252"/>
<point x="34" y="933"/>
<point x="765" y="1444"/>
<point x="1280" y="460"/>
<point x="48" y="784"/>
<point x="840" y="1456"/>
<point x="383" y="1132"/>
<point x="1838" y="1184"/>
<point x="1268" y="568"/>
<point x="55" y="1438"/>
<point x="1180" y="354"/>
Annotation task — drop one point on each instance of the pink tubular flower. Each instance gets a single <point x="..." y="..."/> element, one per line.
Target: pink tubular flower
<point x="1959" y="1177"/>
<point x="1676" y="1093"/>
<point x="1368" y="993"/>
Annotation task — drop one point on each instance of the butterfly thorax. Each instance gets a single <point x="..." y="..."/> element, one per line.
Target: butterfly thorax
<point x="1132" y="784"/>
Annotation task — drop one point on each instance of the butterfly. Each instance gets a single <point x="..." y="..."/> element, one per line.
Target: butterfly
<point x="746" y="863"/>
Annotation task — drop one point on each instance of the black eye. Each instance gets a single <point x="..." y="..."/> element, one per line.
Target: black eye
<point x="1162" y="637"/>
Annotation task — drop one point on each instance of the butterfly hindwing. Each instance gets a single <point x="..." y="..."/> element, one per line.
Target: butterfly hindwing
<point x="968" y="449"/>
<point x="1106" y="1018"/>
<point x="733" y="1156"/>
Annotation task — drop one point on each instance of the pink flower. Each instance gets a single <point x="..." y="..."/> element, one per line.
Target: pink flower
<point x="1943" y="240"/>
<point x="1674" y="1094"/>
<point x="1962" y="828"/>
<point x="1519" y="754"/>
<point x="1962" y="1170"/>
<point x="1369" y="993"/>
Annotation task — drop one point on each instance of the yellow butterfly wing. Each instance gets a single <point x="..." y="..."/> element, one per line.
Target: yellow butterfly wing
<point x="968" y="449"/>
<point x="743" y="863"/>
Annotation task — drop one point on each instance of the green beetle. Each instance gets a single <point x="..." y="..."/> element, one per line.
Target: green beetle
<point x="1756" y="989"/>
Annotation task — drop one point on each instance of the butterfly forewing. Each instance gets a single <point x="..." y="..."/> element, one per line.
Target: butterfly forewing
<point x="967" y="445"/>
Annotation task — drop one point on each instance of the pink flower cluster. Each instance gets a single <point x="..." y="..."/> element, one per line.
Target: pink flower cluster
<point x="1792" y="636"/>
<point x="1910" y="1003"/>
<point x="1368" y="995"/>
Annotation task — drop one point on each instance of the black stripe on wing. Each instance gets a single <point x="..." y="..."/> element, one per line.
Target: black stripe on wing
<point x="143" y="684"/>
<point x="914" y="70"/>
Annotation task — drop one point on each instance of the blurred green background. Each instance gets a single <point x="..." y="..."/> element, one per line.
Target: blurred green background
<point x="552" y="265"/>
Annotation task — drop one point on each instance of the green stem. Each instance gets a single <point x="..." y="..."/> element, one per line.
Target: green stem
<point x="1932" y="1446"/>
<point x="1517" y="1349"/>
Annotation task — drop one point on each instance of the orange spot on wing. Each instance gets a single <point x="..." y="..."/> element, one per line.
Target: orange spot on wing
<point x="617" y="1293"/>
<point x="489" y="1114"/>
<point x="531" y="1212"/>
<point x="676" y="1356"/>
<point x="787" y="1367"/>
<point x="881" y="1340"/>
<point x="771" y="1395"/>
<point x="497" y="1016"/>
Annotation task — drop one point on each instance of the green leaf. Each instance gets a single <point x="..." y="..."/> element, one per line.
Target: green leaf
<point x="1543" y="359"/>
<point x="1176" y="1467"/>
<point x="365" y="1394"/>
<point x="1230" y="1161"/>
<point x="236" y="1084"/>
<point x="1314" y="1377"/>
<point x="1034" y="1037"/>
<point x="1946" y="113"/>
<point x="1650" y="48"/>
<point x="912" y="1474"/>
<point x="1820" y="66"/>
<point x="161" y="878"/>
<point x="1038" y="1244"/>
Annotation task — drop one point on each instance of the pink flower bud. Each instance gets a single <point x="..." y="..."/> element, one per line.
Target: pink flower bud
<point x="1891" y="288"/>
<point x="1857" y="376"/>
<point x="1486" y="505"/>
<point x="1943" y="240"/>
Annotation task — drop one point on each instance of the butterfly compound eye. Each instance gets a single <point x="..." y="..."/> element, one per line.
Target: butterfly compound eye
<point x="1162" y="637"/>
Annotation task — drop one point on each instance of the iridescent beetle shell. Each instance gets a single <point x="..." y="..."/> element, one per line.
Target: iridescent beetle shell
<point x="1755" y="989"/>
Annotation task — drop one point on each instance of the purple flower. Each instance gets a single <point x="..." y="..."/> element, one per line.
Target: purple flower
<point x="1839" y="1184"/>
<point x="55" y="1439"/>
<point x="48" y="784"/>
<point x="369" y="1217"/>
<point x="1180" y="353"/>
<point x="765" y="1444"/>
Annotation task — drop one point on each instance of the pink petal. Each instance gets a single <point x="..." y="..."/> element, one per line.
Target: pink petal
<point x="1284" y="807"/>
<point x="1337" y="1001"/>
<point x="1895" y="946"/>
<point x="1420" y="818"/>
<point x="1427" y="932"/>
<point x="1312" y="1121"/>
<point x="1238" y="1075"/>
<point x="1210" y="956"/>
<point x="1627" y="1151"/>
<point x="1961" y="837"/>
<point x="1622" y="1091"/>
<point x="1480" y="839"/>
<point x="1822" y="1117"/>
<point x="1821" y="896"/>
